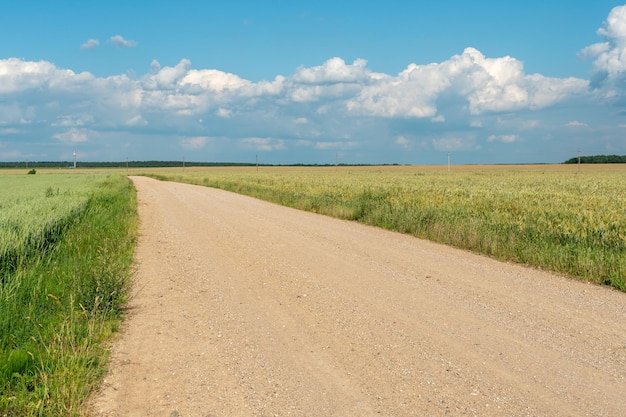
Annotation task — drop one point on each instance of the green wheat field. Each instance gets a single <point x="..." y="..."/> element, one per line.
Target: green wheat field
<point x="66" y="248"/>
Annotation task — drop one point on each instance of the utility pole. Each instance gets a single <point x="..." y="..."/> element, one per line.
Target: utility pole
<point x="579" y="158"/>
<point x="257" y="162"/>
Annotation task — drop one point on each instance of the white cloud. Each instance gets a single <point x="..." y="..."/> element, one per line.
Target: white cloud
<point x="615" y="24"/>
<point x="594" y="51"/>
<point x="402" y="141"/>
<point x="499" y="84"/>
<point x="17" y="75"/>
<point x="478" y="84"/>
<point x="485" y="84"/>
<point x="90" y="44"/>
<point x="188" y="91"/>
<point x="73" y="135"/>
<point x="333" y="71"/>
<point x="609" y="65"/>
<point x="308" y="93"/>
<point x="119" y="42"/>
<point x="517" y="123"/>
<point x="575" y="123"/>
<point x="503" y="138"/>
<point x="411" y="94"/>
<point x="264" y="144"/>
<point x="224" y="113"/>
<point x="155" y="66"/>
<point x="454" y="143"/>
<point x="327" y="145"/>
<point x="214" y="80"/>
<point x="165" y="78"/>
<point x="332" y="80"/>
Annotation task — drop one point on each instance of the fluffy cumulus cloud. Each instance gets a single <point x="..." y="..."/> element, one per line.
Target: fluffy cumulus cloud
<point x="90" y="44"/>
<point x="119" y="42"/>
<point x="333" y="71"/>
<point x="483" y="84"/>
<point x="332" y="80"/>
<point x="609" y="56"/>
<point x="18" y="76"/>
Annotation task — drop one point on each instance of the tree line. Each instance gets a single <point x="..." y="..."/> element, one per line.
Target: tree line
<point x="598" y="159"/>
<point x="151" y="164"/>
<point x="122" y="164"/>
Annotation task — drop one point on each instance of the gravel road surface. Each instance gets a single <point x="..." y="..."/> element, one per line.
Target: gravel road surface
<point x="246" y="308"/>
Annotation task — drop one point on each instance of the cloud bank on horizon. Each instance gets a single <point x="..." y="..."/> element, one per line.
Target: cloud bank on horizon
<point x="482" y="109"/>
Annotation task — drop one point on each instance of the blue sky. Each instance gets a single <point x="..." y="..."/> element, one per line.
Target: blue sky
<point x="306" y="82"/>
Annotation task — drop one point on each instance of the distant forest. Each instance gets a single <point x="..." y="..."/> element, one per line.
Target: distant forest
<point x="598" y="159"/>
<point x="123" y="164"/>
<point x="143" y="164"/>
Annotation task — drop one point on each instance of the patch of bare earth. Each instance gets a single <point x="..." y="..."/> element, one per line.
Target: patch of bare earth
<point x="245" y="308"/>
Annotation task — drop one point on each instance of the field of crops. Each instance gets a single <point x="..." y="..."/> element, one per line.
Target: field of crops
<point x="66" y="248"/>
<point x="34" y="211"/>
<point x="560" y="218"/>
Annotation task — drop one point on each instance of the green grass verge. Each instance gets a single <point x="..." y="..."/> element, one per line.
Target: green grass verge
<point x="58" y="308"/>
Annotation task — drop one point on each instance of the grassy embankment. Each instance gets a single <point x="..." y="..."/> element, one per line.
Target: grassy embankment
<point x="66" y="247"/>
<point x="549" y="217"/>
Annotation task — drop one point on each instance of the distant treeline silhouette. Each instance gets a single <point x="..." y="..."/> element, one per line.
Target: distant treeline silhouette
<point x="122" y="164"/>
<point x="146" y="164"/>
<point x="598" y="159"/>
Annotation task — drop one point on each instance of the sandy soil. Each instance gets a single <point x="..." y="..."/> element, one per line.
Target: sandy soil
<point x="245" y="308"/>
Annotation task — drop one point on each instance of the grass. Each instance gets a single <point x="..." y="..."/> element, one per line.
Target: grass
<point x="59" y="305"/>
<point x="36" y="210"/>
<point x="550" y="217"/>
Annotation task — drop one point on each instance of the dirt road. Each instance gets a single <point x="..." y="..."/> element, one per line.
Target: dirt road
<point x="245" y="308"/>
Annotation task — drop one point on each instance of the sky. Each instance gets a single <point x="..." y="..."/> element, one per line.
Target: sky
<point x="285" y="82"/>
